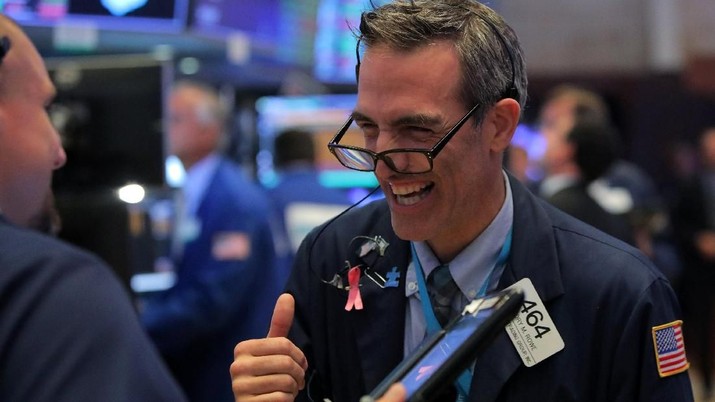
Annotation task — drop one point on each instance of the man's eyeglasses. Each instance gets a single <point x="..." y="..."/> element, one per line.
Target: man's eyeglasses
<point x="401" y="160"/>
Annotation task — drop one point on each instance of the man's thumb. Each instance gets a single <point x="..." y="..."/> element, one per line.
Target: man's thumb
<point x="282" y="316"/>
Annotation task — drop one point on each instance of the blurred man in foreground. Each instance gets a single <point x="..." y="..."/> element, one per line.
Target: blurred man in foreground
<point x="68" y="330"/>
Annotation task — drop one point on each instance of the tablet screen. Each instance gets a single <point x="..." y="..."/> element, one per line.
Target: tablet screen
<point x="436" y="356"/>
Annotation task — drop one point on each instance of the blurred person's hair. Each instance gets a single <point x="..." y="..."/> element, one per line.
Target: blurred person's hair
<point x="210" y="110"/>
<point x="587" y="104"/>
<point x="597" y="146"/>
<point x="293" y="146"/>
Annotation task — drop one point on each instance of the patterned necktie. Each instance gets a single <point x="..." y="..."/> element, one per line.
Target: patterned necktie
<point x="442" y="290"/>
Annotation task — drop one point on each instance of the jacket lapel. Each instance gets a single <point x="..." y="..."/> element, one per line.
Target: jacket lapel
<point x="533" y="256"/>
<point x="379" y="350"/>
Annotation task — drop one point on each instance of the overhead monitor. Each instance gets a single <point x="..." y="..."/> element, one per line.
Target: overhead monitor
<point x="335" y="41"/>
<point x="129" y="15"/>
<point x="279" y="30"/>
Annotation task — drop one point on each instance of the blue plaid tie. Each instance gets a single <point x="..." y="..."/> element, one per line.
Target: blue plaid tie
<point x="442" y="290"/>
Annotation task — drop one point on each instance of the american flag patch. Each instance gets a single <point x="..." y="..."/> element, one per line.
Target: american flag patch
<point x="670" y="349"/>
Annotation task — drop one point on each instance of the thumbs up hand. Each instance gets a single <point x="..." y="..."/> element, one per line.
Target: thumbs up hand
<point x="282" y="316"/>
<point x="273" y="368"/>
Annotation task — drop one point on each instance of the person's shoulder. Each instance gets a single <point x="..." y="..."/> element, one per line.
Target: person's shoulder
<point x="570" y="199"/>
<point x="34" y="260"/>
<point x="587" y="259"/>
<point x="41" y="267"/>
<point x="371" y="220"/>
<point x="19" y="244"/>
<point x="229" y="170"/>
<point x="235" y="182"/>
<point x="567" y="227"/>
<point x="591" y="253"/>
<point x="359" y="219"/>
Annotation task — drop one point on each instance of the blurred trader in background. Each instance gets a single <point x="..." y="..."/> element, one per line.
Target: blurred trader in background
<point x="624" y="189"/>
<point x="300" y="199"/>
<point x="574" y="157"/>
<point x="694" y="223"/>
<point x="441" y="85"/>
<point x="227" y="279"/>
<point x="68" y="331"/>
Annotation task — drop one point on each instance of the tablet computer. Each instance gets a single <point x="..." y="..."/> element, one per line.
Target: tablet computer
<point x="442" y="357"/>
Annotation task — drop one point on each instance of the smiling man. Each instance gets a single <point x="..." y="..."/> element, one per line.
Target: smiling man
<point x="441" y="85"/>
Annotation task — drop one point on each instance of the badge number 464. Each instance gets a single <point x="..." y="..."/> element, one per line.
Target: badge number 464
<point x="532" y="331"/>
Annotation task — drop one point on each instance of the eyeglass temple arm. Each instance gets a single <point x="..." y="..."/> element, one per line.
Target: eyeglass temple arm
<point x="438" y="147"/>
<point x="339" y="135"/>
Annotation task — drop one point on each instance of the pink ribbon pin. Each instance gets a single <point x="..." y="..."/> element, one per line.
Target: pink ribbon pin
<point x="354" y="299"/>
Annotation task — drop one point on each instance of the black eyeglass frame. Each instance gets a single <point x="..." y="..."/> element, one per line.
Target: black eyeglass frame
<point x="430" y="154"/>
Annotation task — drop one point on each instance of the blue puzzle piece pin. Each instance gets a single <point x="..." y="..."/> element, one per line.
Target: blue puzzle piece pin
<point x="393" y="278"/>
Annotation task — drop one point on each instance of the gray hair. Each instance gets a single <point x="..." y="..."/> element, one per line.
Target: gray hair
<point x="491" y="58"/>
<point x="210" y="110"/>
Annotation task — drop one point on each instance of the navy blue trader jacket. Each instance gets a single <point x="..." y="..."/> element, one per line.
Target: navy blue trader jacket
<point x="604" y="297"/>
<point x="68" y="332"/>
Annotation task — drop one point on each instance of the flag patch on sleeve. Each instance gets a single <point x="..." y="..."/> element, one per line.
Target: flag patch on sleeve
<point x="670" y="349"/>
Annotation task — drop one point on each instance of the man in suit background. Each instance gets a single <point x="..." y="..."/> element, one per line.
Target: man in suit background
<point x="574" y="157"/>
<point x="624" y="189"/>
<point x="224" y="259"/>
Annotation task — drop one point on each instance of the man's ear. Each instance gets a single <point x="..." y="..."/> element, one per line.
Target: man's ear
<point x="504" y="117"/>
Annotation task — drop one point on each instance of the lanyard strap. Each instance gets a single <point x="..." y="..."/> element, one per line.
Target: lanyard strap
<point x="432" y="323"/>
<point x="465" y="379"/>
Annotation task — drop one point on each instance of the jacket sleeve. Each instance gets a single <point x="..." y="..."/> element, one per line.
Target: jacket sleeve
<point x="636" y="375"/>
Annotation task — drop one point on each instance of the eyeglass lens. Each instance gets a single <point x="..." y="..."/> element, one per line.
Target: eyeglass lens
<point x="353" y="154"/>
<point x="399" y="161"/>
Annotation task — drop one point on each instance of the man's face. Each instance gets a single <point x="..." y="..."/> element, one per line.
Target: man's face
<point x="406" y="102"/>
<point x="30" y="147"/>
<point x="556" y="120"/>
<point x="189" y="138"/>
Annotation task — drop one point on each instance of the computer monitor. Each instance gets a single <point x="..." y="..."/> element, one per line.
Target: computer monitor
<point x="109" y="112"/>
<point x="334" y="49"/>
<point x="279" y="31"/>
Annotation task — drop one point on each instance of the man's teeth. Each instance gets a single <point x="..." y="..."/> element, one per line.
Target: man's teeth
<point x="407" y="188"/>
<point x="409" y="194"/>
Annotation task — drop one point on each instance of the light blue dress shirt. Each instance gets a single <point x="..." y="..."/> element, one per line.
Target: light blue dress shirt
<point x="469" y="269"/>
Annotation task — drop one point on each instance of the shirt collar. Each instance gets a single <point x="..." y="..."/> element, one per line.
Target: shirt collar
<point x="197" y="180"/>
<point x="553" y="184"/>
